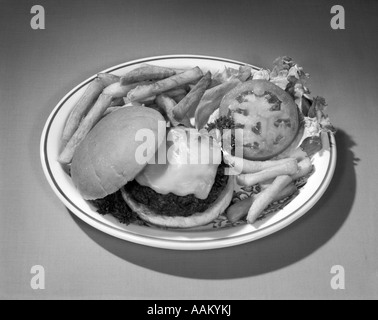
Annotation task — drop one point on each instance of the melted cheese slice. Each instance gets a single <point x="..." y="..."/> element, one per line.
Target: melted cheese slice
<point x="190" y="165"/>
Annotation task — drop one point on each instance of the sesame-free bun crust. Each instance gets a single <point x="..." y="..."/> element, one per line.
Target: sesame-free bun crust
<point x="195" y="220"/>
<point x="105" y="160"/>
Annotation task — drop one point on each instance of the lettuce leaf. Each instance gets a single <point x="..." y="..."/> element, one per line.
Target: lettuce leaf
<point x="317" y="113"/>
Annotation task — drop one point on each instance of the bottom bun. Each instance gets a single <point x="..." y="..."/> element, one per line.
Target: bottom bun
<point x="195" y="220"/>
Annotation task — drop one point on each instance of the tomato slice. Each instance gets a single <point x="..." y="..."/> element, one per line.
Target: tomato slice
<point x="267" y="116"/>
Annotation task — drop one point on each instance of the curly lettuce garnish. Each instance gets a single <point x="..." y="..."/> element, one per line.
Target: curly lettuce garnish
<point x="317" y="116"/>
<point x="261" y="74"/>
<point x="293" y="79"/>
<point x="280" y="73"/>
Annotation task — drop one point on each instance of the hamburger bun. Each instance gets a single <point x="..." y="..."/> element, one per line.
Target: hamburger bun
<point x="105" y="160"/>
<point x="267" y="116"/>
<point x="194" y="220"/>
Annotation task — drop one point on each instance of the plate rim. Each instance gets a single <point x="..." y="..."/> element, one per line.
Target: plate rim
<point x="175" y="244"/>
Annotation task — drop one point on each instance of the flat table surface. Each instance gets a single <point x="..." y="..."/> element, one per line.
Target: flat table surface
<point x="81" y="38"/>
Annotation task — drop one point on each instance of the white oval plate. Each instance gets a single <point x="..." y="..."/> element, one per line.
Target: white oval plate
<point x="204" y="238"/>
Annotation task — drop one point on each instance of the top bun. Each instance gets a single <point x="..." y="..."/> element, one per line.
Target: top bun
<point x="105" y="160"/>
<point x="267" y="116"/>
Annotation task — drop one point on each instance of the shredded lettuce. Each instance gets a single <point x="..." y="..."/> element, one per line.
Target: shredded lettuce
<point x="292" y="78"/>
<point x="317" y="114"/>
<point x="261" y="74"/>
<point x="279" y="74"/>
<point x="280" y="64"/>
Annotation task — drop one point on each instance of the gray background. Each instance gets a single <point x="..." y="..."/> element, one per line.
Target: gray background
<point x="83" y="37"/>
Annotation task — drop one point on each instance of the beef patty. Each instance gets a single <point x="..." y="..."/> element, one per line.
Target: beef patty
<point x="174" y="205"/>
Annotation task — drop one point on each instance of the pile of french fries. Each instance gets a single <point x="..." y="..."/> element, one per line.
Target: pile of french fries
<point x="176" y="93"/>
<point x="276" y="177"/>
<point x="147" y="85"/>
<point x="181" y="95"/>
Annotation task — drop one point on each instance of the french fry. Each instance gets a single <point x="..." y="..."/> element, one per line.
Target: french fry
<point x="107" y="78"/>
<point x="289" y="190"/>
<point x="297" y="153"/>
<point x="157" y="108"/>
<point x="168" y="105"/>
<point x="145" y="103"/>
<point x="239" y="210"/>
<point x="247" y="166"/>
<point x="147" y="72"/>
<point x="149" y="101"/>
<point x="179" y="98"/>
<point x="145" y="91"/>
<point x="266" y="197"/>
<point x="304" y="168"/>
<point x="176" y="70"/>
<point x="95" y="114"/>
<point x="192" y="99"/>
<point x="179" y="70"/>
<point x="287" y="168"/>
<point x="117" y="102"/>
<point x="211" y="101"/>
<point x="176" y="92"/>
<point x="116" y="90"/>
<point x="81" y="108"/>
<point x="137" y="104"/>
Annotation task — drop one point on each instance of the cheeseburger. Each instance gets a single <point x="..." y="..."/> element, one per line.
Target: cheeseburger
<point x="189" y="189"/>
